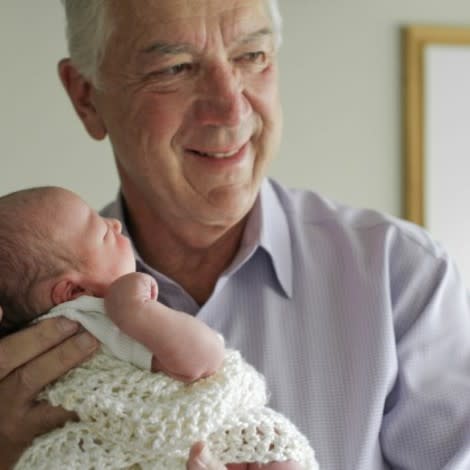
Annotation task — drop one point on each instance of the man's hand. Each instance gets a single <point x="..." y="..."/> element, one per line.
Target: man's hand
<point x="30" y="360"/>
<point x="201" y="459"/>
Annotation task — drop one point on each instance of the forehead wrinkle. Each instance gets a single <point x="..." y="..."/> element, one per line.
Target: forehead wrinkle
<point x="166" y="14"/>
<point x="168" y="28"/>
<point x="263" y="32"/>
<point x="164" y="48"/>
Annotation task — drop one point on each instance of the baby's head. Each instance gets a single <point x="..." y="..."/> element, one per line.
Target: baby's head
<point x="54" y="248"/>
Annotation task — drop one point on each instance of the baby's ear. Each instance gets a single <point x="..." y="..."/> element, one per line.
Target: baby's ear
<point x="65" y="290"/>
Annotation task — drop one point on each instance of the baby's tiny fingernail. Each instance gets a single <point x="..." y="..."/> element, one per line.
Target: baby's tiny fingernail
<point x="221" y="338"/>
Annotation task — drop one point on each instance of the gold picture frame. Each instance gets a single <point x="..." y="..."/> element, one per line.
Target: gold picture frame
<point x="415" y="39"/>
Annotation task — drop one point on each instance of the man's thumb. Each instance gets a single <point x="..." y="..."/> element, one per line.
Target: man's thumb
<point x="200" y="458"/>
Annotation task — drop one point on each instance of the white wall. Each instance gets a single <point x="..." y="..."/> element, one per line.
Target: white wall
<point x="341" y="87"/>
<point x="41" y="140"/>
<point x="447" y="144"/>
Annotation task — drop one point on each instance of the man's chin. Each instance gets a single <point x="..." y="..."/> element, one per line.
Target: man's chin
<point x="232" y="203"/>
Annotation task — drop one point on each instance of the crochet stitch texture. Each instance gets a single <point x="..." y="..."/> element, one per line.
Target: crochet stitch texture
<point x="135" y="419"/>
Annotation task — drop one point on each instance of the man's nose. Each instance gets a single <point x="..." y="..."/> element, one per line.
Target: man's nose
<point x="222" y="101"/>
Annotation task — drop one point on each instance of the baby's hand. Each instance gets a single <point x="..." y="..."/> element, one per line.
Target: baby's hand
<point x="126" y="300"/>
<point x="132" y="287"/>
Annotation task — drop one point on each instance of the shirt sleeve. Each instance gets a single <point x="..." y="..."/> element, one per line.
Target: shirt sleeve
<point x="427" y="415"/>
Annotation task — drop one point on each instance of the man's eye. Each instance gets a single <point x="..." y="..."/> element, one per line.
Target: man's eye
<point x="176" y="69"/>
<point x="256" y="57"/>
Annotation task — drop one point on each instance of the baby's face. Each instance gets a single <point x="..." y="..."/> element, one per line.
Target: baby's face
<point x="97" y="242"/>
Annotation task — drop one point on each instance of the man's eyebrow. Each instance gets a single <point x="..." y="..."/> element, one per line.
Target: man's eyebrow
<point x="166" y="48"/>
<point x="260" y="33"/>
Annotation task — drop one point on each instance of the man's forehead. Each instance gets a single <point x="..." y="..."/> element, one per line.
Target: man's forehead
<point x="171" y="15"/>
<point x="176" y="8"/>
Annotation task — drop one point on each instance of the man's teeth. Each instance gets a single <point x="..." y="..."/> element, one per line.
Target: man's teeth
<point x="217" y="154"/>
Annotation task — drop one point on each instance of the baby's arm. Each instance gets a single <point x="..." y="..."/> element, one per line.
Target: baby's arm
<point x="183" y="347"/>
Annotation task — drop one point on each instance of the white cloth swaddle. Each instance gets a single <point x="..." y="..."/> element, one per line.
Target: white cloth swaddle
<point x="131" y="418"/>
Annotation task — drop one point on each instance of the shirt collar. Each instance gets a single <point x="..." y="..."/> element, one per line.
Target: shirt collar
<point x="266" y="227"/>
<point x="274" y="234"/>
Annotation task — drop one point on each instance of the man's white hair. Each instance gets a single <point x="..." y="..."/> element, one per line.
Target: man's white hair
<point x="89" y="27"/>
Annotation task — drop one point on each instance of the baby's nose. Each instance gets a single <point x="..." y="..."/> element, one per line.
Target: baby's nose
<point x="116" y="224"/>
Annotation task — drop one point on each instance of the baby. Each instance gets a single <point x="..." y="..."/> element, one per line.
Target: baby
<point x="55" y="248"/>
<point x="56" y="253"/>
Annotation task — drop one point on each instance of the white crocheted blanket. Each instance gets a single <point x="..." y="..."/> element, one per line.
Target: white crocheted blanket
<point x="131" y="419"/>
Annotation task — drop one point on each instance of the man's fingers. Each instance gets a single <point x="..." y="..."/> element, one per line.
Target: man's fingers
<point x="19" y="429"/>
<point x="21" y="347"/>
<point x="45" y="417"/>
<point x="201" y="459"/>
<point x="288" y="465"/>
<point x="29" y="379"/>
<point x="30" y="360"/>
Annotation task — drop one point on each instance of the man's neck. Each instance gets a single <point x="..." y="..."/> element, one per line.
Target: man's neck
<point x="194" y="263"/>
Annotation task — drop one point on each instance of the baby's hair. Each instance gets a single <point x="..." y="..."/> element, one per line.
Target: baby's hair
<point x="29" y="253"/>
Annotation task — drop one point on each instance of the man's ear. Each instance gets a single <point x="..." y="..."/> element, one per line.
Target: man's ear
<point x="80" y="91"/>
<point x="66" y="289"/>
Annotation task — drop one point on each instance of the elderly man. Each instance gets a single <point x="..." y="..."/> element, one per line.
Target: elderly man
<point x="360" y="323"/>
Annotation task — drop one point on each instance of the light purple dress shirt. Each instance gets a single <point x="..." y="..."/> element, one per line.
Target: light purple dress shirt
<point x="360" y="323"/>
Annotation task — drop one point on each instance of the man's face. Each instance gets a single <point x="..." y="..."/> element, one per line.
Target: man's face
<point x="190" y="102"/>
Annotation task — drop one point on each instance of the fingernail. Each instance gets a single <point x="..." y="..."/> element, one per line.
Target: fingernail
<point x="67" y="326"/>
<point x="205" y="458"/>
<point x="86" y="342"/>
<point x="222" y="339"/>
